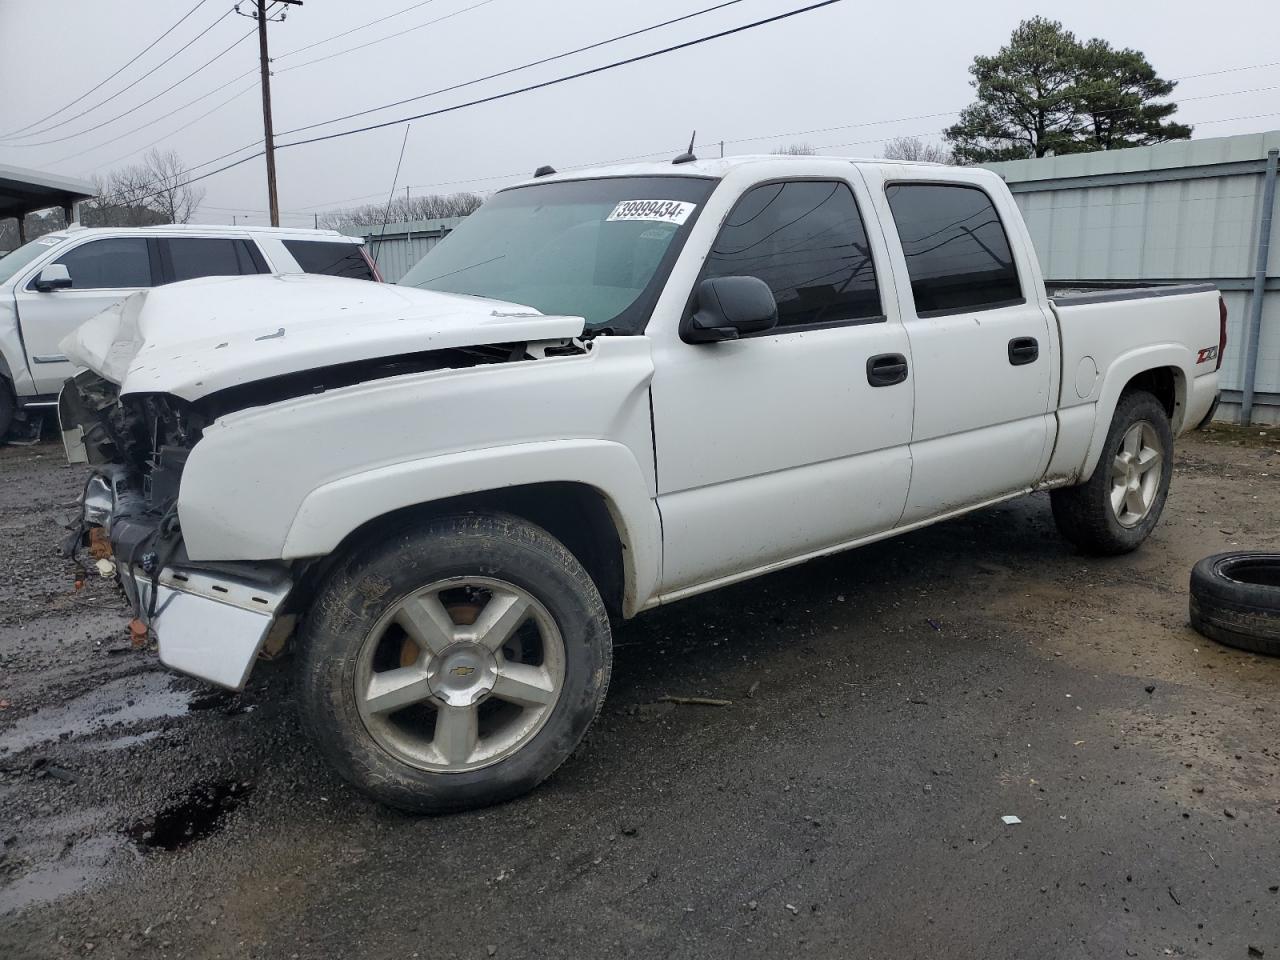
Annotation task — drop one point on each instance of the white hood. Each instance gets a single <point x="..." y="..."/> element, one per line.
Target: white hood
<point x="195" y="338"/>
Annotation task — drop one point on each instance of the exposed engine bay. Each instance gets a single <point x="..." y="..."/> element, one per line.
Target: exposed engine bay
<point x="140" y="444"/>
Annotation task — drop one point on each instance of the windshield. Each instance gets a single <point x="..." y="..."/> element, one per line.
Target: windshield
<point x="11" y="263"/>
<point x="597" y="249"/>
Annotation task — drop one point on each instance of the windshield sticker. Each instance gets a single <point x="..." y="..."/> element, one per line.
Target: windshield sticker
<point x="665" y="211"/>
<point x="48" y="241"/>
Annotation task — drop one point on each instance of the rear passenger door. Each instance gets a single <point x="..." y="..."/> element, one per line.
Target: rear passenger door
<point x="978" y="326"/>
<point x="187" y="258"/>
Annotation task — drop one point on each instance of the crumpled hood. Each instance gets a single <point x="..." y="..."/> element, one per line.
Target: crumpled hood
<point x="195" y="338"/>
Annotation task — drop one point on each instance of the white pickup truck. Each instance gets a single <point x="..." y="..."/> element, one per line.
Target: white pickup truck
<point x="603" y="392"/>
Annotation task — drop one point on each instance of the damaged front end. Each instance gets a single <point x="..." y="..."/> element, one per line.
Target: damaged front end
<point x="209" y="620"/>
<point x="167" y="365"/>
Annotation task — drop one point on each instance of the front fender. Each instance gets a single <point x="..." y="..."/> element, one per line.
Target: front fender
<point x="330" y="512"/>
<point x="1117" y="376"/>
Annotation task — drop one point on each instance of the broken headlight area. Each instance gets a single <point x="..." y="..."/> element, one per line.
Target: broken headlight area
<point x="138" y="446"/>
<point x="101" y="427"/>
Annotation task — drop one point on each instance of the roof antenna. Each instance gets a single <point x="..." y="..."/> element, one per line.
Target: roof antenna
<point x="687" y="156"/>
<point x="386" y="213"/>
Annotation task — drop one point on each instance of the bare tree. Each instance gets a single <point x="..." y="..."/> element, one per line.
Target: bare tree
<point x="796" y="150"/>
<point x="171" y="192"/>
<point x="426" y="207"/>
<point x="913" y="148"/>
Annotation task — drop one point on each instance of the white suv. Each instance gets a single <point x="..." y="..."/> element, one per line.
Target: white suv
<point x="58" y="281"/>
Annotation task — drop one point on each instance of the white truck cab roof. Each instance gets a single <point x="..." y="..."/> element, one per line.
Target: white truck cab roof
<point x="720" y="167"/>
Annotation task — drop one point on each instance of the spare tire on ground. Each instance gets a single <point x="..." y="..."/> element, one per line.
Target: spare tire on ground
<point x="1235" y="599"/>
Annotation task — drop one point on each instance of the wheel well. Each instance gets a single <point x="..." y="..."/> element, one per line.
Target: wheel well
<point x="1162" y="383"/>
<point x="575" y="514"/>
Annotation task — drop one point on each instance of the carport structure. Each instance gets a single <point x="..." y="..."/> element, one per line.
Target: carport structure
<point x="26" y="191"/>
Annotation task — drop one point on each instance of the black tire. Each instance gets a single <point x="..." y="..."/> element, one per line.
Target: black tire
<point x="1084" y="515"/>
<point x="371" y="579"/>
<point x="1235" y="599"/>
<point x="8" y="407"/>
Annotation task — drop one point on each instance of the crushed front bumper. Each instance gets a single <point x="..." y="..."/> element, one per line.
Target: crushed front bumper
<point x="206" y="624"/>
<point x="209" y="620"/>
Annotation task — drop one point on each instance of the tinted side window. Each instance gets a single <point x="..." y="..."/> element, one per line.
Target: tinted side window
<point x="806" y="240"/>
<point x="113" y="262"/>
<point x="333" y="258"/>
<point x="958" y="255"/>
<point x="191" y="257"/>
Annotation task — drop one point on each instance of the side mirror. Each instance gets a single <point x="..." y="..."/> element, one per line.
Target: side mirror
<point x="53" y="277"/>
<point x="730" y="307"/>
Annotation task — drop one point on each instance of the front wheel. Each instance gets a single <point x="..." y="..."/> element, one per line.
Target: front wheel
<point x="454" y="665"/>
<point x="1116" y="509"/>
<point x="8" y="407"/>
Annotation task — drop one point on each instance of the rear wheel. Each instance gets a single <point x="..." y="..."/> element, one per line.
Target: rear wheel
<point x="1116" y="509"/>
<point x="457" y="665"/>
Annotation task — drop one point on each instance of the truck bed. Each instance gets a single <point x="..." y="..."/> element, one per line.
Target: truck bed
<point x="1070" y="293"/>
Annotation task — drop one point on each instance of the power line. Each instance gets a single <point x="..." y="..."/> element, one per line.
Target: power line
<point x="573" y="76"/>
<point x="710" y="143"/>
<point x="62" y="123"/>
<point x="510" y="93"/>
<point x="233" y="80"/>
<point x="622" y="63"/>
<point x="828" y="146"/>
<point x="98" y="126"/>
<point x="165" y="116"/>
<point x="390" y="36"/>
<point x="235" y="96"/>
<point x="102" y="83"/>
<point x="345" y="33"/>
<point x="523" y="66"/>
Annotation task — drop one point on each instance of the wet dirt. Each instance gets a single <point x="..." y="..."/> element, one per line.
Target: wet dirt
<point x="889" y="707"/>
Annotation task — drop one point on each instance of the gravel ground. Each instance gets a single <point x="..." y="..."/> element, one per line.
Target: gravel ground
<point x="890" y="706"/>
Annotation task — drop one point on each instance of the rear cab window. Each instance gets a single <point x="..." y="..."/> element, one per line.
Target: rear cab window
<point x="957" y="252"/>
<point x="333" y="258"/>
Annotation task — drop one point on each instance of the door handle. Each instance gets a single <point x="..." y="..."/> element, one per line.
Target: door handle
<point x="1023" y="350"/>
<point x="886" y="369"/>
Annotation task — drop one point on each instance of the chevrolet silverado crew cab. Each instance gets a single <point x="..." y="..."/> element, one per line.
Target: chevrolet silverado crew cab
<point x="603" y="392"/>
<point x="58" y="281"/>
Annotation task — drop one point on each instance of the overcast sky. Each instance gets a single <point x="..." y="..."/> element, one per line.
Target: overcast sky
<point x="835" y="71"/>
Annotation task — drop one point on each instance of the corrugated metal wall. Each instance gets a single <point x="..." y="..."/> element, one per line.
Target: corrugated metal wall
<point x="400" y="245"/>
<point x="1171" y="212"/>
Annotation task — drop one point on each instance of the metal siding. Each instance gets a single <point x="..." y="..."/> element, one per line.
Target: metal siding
<point x="1157" y="217"/>
<point x="399" y="246"/>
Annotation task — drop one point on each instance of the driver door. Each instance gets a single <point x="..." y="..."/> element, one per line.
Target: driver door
<point x="777" y="446"/>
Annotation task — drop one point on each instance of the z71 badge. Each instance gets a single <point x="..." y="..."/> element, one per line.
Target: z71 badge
<point x="1207" y="354"/>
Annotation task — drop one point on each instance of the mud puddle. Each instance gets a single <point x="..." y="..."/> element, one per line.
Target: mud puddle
<point x="126" y="701"/>
<point x="197" y="815"/>
<point x="80" y="865"/>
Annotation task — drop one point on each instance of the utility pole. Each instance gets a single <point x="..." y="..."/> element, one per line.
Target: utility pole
<point x="268" y="138"/>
